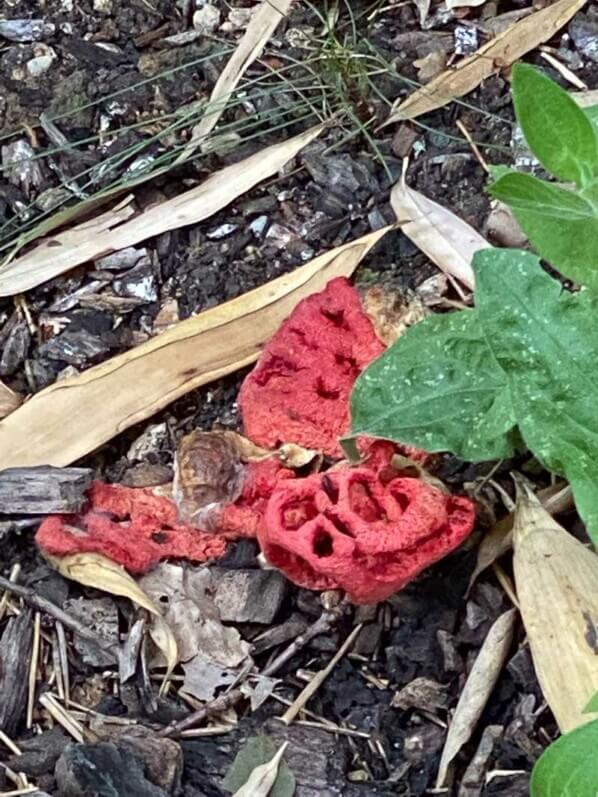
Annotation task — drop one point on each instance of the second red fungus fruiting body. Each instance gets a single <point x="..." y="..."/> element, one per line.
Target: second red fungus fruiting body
<point x="299" y="390"/>
<point x="130" y="526"/>
<point x="347" y="529"/>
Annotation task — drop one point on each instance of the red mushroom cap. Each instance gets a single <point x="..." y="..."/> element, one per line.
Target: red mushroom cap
<point x="348" y="529"/>
<point x="299" y="390"/>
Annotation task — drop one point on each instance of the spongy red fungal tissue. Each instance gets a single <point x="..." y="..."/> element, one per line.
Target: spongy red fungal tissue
<point x="130" y="526"/>
<point x="299" y="390"/>
<point x="346" y="528"/>
<point x="244" y="517"/>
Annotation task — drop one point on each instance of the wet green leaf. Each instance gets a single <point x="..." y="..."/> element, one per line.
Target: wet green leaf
<point x="569" y="767"/>
<point x="438" y="387"/>
<point x="557" y="131"/>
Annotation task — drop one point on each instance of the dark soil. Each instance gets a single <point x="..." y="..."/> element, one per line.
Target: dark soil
<point x="337" y="190"/>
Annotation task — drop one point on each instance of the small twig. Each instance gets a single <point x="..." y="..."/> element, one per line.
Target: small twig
<point x="44" y="605"/>
<point x="319" y="678"/>
<point x="8" y="742"/>
<point x="474" y="146"/>
<point x="14" y="575"/>
<point x="234" y="696"/>
<point x="33" y="667"/>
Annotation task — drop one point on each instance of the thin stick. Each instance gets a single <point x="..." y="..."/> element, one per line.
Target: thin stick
<point x="43" y="605"/>
<point x="62" y="717"/>
<point x="14" y="575"/>
<point x="474" y="146"/>
<point x="64" y="662"/>
<point x="8" y="742"/>
<point x="313" y="686"/>
<point x="230" y="699"/>
<point x="33" y="668"/>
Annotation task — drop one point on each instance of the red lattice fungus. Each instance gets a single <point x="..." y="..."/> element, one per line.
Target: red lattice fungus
<point x="299" y="390"/>
<point x="130" y="526"/>
<point x="347" y="529"/>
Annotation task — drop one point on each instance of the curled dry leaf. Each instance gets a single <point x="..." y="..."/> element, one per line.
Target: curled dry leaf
<point x="478" y="687"/>
<point x="262" y="25"/>
<point x="9" y="400"/>
<point x="209" y="470"/>
<point x="208" y="649"/>
<point x="497" y="54"/>
<point x="263" y="777"/>
<point x="115" y="229"/>
<point x="99" y="572"/>
<point x="390" y="312"/>
<point x="447" y="240"/>
<point x="557" y="586"/>
<point x="294" y="456"/>
<point x="132" y="386"/>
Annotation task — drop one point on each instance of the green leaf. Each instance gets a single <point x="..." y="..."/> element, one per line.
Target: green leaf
<point x="557" y="131"/>
<point x="546" y="343"/>
<point x="561" y="225"/>
<point x="259" y="750"/>
<point x="438" y="387"/>
<point x="592" y="705"/>
<point x="569" y="767"/>
<point x="592" y="113"/>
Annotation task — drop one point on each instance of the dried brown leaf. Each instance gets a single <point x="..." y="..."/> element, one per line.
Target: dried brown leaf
<point x="262" y="25"/>
<point x="390" y="312"/>
<point x="209" y="470"/>
<point x="557" y="587"/>
<point x="115" y="230"/>
<point x="519" y="39"/>
<point x="97" y="571"/>
<point x="499" y="540"/>
<point x="9" y="400"/>
<point x="446" y="239"/>
<point x="133" y="386"/>
<point x="478" y="687"/>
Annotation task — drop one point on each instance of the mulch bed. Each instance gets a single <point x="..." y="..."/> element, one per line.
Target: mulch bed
<point x="336" y="191"/>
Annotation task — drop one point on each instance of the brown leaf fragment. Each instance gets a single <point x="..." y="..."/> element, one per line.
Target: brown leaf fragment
<point x="478" y="687"/>
<point x="9" y="400"/>
<point x="95" y="570"/>
<point x="132" y="386"/>
<point x="391" y="312"/>
<point x="209" y="470"/>
<point x="557" y="587"/>
<point x="499" y="53"/>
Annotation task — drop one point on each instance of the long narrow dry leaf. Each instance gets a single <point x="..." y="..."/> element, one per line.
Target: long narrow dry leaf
<point x="557" y="586"/>
<point x="73" y="417"/>
<point x="498" y="53"/>
<point x="262" y="25"/>
<point x="499" y="539"/>
<point x="88" y="241"/>
<point x="478" y="687"/>
<point x="446" y="239"/>
<point x="99" y="572"/>
<point x="263" y="777"/>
